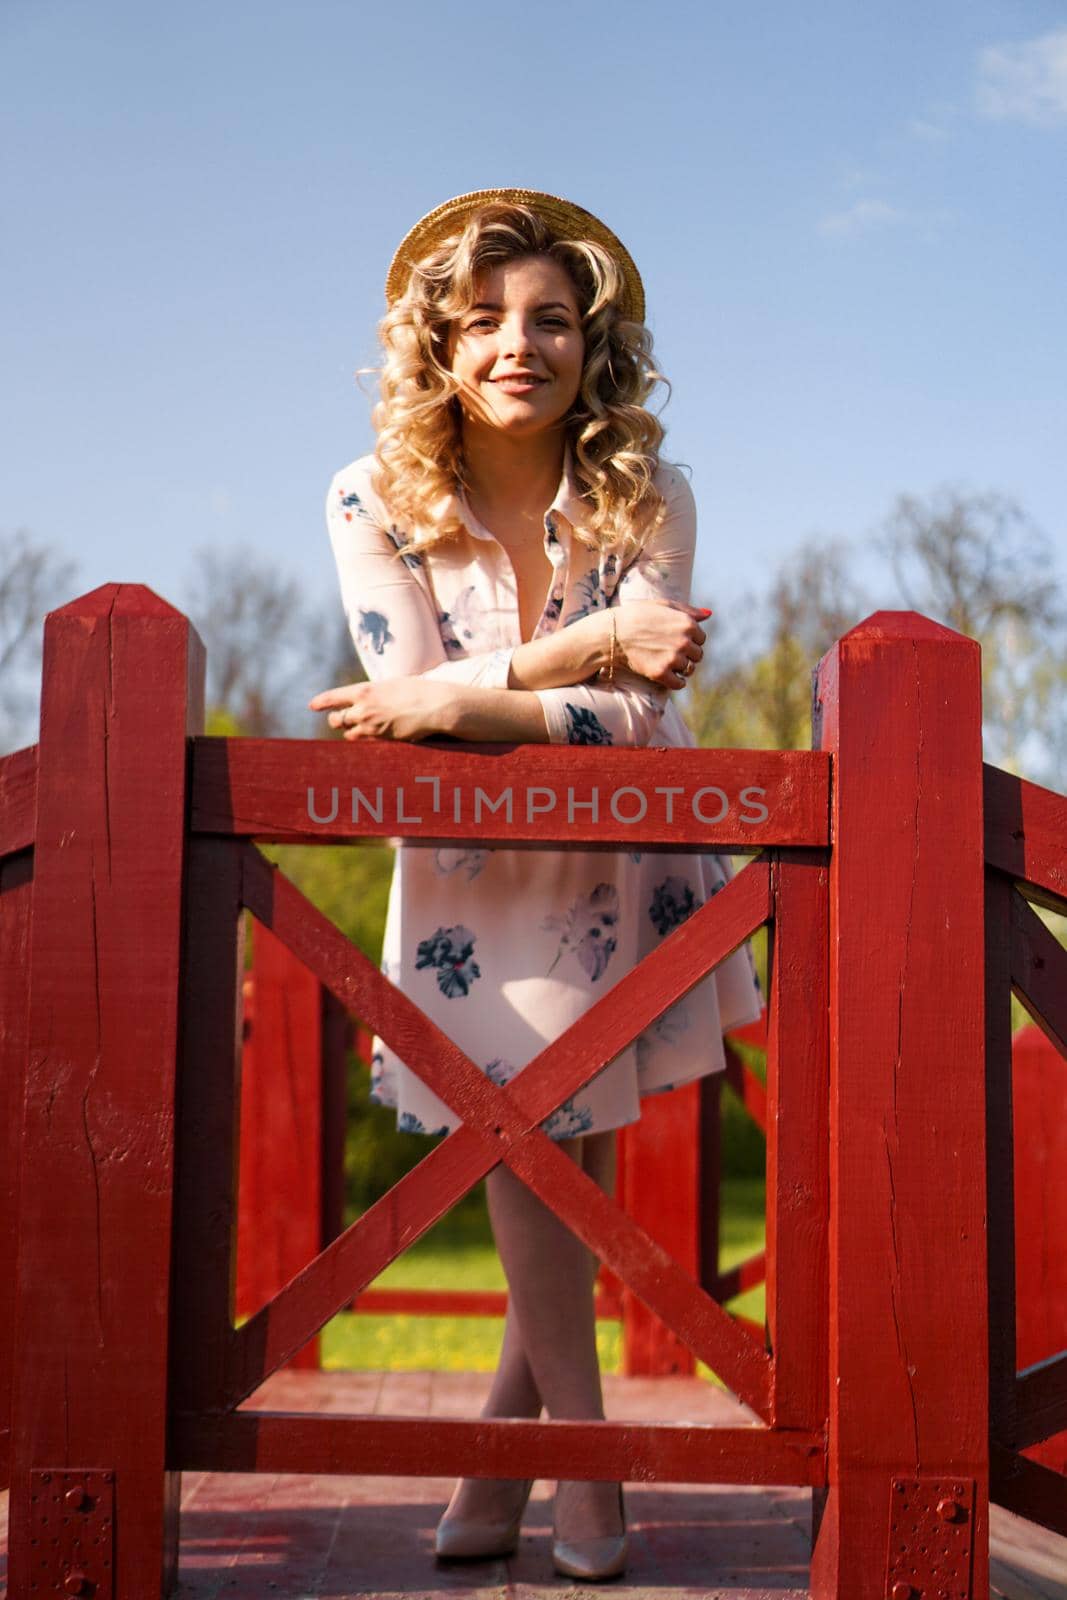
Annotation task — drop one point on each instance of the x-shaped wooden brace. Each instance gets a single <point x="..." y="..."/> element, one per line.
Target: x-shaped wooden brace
<point x="502" y="1124"/>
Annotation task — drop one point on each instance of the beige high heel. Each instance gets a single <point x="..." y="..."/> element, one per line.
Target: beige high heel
<point x="457" y="1539"/>
<point x="592" y="1558"/>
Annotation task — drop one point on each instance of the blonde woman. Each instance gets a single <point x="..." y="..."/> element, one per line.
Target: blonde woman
<point x="515" y="562"/>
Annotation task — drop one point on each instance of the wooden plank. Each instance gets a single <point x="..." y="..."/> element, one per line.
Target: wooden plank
<point x="16" y="888"/>
<point x="205" y="1230"/>
<point x="1039" y="1119"/>
<point x="709" y="1199"/>
<point x="1041" y="1400"/>
<point x="337" y="1032"/>
<point x="658" y="1187"/>
<point x="563" y="1067"/>
<point x="899" y="704"/>
<point x="1000" y="1157"/>
<point x="275" y="789"/>
<point x="713" y="1336"/>
<point x="122" y="691"/>
<point x="298" y="1441"/>
<point x="499" y="1124"/>
<point x="1029" y="1489"/>
<point x="797" y="1140"/>
<point x="1039" y="972"/>
<point x="1026" y="832"/>
<point x="18" y="799"/>
<point x="455" y="1303"/>
<point x="279" y="1208"/>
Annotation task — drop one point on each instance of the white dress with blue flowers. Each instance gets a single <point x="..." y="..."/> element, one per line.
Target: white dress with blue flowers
<point x="504" y="949"/>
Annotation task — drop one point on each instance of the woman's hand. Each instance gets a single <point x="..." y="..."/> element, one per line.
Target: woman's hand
<point x="396" y="708"/>
<point x="660" y="640"/>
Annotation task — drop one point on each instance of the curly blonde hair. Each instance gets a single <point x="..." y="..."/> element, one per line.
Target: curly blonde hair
<point x="614" y="440"/>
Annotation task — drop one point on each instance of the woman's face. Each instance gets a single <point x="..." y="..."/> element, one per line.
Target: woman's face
<point x="518" y="351"/>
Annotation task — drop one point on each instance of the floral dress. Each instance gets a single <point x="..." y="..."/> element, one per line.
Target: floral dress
<point x="504" y="949"/>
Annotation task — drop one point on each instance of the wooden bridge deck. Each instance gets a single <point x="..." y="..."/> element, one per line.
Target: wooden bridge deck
<point x="281" y="1537"/>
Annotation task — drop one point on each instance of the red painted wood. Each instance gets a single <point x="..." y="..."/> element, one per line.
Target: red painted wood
<point x="797" y="1142"/>
<point x="1025" y="829"/>
<point x="1000" y="1156"/>
<point x="296" y="1441"/>
<point x="899" y="705"/>
<point x="121" y="693"/>
<point x="453" y="1303"/>
<point x="1039" y="971"/>
<point x="709" y="1132"/>
<point x="205" y="1236"/>
<point x="279" y="1225"/>
<point x="658" y="1187"/>
<point x="510" y="1117"/>
<point x="1039" y="1084"/>
<point x="1042" y="1410"/>
<point x="258" y="788"/>
<point x="338" y="1037"/>
<point x="1029" y="1489"/>
<point x="18" y="799"/>
<point x="16" y="887"/>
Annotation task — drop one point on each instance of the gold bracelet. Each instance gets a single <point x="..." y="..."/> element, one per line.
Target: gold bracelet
<point x="606" y="675"/>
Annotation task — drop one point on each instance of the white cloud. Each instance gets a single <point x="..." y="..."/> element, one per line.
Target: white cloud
<point x="861" y="216"/>
<point x="1025" y="82"/>
<point x="926" y="128"/>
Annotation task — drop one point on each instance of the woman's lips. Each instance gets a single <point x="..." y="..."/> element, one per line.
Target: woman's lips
<point x="518" y="385"/>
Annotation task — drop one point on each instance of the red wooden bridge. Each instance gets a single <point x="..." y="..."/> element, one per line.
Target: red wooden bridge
<point x="897" y="875"/>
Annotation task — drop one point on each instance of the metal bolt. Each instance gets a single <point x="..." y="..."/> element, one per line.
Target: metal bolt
<point x="903" y="1591"/>
<point x="76" y="1583"/>
<point x="76" y="1497"/>
<point x="948" y="1510"/>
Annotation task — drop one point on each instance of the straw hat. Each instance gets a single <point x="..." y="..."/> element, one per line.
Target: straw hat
<point x="566" y="220"/>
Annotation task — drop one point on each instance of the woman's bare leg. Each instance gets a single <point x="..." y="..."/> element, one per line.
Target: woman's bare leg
<point x="513" y="1393"/>
<point x="550" y="1275"/>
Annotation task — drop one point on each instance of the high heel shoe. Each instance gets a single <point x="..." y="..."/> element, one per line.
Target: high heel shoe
<point x="592" y="1558"/>
<point x="458" y="1539"/>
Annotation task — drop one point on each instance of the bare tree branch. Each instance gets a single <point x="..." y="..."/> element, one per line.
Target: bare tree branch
<point x="34" y="578"/>
<point x="256" y="631"/>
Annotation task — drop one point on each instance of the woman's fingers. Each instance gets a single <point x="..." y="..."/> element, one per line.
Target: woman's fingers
<point x="679" y="605"/>
<point x="341" y="696"/>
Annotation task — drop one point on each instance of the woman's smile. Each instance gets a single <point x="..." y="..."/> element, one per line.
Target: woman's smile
<point x="518" y="382"/>
<point x="520" y="341"/>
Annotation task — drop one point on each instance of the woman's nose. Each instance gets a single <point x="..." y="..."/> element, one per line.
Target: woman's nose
<point x="517" y="338"/>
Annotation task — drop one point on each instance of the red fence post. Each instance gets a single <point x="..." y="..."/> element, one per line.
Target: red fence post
<point x="16" y="887"/>
<point x="1039" y="1096"/>
<point x="900" y="703"/>
<point x="122" y="688"/>
<point x="280" y="1191"/>
<point x="659" y="1188"/>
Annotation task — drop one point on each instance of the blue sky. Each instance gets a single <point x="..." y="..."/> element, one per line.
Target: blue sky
<point x="849" y="219"/>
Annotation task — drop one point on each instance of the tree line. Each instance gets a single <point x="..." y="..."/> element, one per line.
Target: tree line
<point x="975" y="562"/>
<point x="972" y="561"/>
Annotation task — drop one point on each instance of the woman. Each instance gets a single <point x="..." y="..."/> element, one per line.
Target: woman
<point x="515" y="563"/>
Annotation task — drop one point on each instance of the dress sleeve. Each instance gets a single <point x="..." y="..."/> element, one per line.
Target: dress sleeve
<point x="388" y="603"/>
<point x="628" y="710"/>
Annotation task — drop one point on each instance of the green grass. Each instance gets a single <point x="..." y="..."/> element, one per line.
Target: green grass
<point x="459" y="1254"/>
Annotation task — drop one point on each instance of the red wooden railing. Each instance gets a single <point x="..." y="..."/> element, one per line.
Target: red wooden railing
<point x="290" y="1202"/>
<point x="894" y="874"/>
